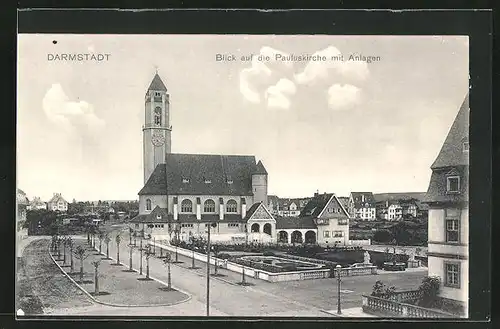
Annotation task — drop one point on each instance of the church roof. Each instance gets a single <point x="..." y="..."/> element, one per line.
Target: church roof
<point x="157" y="182"/>
<point x="451" y="153"/>
<point x="157" y="84"/>
<point x="261" y="170"/>
<point x="202" y="174"/>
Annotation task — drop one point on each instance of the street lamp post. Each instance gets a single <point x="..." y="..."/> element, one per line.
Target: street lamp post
<point x="339" y="310"/>
<point x="140" y="251"/>
<point x="208" y="270"/>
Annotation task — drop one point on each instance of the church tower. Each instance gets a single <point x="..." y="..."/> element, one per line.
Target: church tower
<point x="156" y="129"/>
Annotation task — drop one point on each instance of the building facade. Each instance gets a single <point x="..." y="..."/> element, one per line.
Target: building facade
<point x="57" y="203"/>
<point x="362" y="206"/>
<point x="447" y="197"/>
<point x="323" y="220"/>
<point x="184" y="193"/>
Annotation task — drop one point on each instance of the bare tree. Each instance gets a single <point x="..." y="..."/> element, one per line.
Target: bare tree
<point x="131" y="250"/>
<point x="107" y="240"/>
<point x="81" y="254"/>
<point x="96" y="264"/>
<point x="148" y="253"/>
<point x="100" y="236"/>
<point x="167" y="261"/>
<point x="118" y="239"/>
<point x="71" y="246"/>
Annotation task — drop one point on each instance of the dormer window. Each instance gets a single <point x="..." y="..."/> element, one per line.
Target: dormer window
<point x="208" y="181"/>
<point x="157" y="94"/>
<point x="158" y="216"/>
<point x="185" y="180"/>
<point x="465" y="147"/>
<point x="453" y="184"/>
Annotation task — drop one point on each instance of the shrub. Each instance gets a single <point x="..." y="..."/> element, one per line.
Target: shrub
<point x="380" y="290"/>
<point x="429" y="291"/>
<point x="383" y="236"/>
<point x="224" y="256"/>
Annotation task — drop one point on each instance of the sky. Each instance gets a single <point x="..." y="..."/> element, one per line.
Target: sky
<point x="317" y="125"/>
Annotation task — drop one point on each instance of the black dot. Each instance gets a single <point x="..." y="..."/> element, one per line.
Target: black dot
<point x="54" y="41"/>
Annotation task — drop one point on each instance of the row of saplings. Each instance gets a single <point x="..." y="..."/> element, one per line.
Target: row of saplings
<point x="64" y="247"/>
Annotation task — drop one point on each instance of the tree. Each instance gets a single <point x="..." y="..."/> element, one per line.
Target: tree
<point x="107" y="240"/>
<point x="148" y="255"/>
<point x="100" y="236"/>
<point x="96" y="264"/>
<point x="71" y="245"/>
<point x="81" y="254"/>
<point x="167" y="261"/>
<point x="118" y="239"/>
<point x="382" y="236"/>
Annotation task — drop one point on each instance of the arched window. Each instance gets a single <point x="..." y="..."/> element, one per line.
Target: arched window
<point x="231" y="206"/>
<point x="148" y="204"/>
<point x="158" y="116"/>
<point x="209" y="206"/>
<point x="186" y="206"/>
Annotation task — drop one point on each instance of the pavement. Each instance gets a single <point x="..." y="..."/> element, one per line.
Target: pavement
<point x="353" y="312"/>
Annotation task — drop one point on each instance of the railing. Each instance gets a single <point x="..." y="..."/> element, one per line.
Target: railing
<point x="354" y="271"/>
<point x="386" y="307"/>
<point x="405" y="296"/>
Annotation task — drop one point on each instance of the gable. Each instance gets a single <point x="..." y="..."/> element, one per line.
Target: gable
<point x="260" y="212"/>
<point x="333" y="209"/>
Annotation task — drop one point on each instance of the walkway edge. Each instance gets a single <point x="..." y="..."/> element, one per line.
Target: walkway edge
<point x="119" y="305"/>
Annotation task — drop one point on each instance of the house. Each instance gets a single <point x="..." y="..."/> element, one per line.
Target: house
<point x="36" y="203"/>
<point x="362" y="206"/>
<point x="57" y="203"/>
<point x="288" y="207"/>
<point x="409" y="202"/>
<point x="448" y="222"/>
<point x="323" y="221"/>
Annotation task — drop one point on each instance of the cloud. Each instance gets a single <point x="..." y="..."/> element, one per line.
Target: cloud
<point x="322" y="70"/>
<point x="73" y="117"/>
<point x="255" y="79"/>
<point x="343" y="97"/>
<point x="277" y="95"/>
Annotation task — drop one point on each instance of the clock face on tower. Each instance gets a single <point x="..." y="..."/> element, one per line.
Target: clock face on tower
<point x="158" y="139"/>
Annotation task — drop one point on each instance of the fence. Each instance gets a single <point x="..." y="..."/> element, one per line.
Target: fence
<point x="257" y="274"/>
<point x="392" y="308"/>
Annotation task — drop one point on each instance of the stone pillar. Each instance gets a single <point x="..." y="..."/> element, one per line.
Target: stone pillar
<point x="243" y="208"/>
<point x="289" y="237"/>
<point x="176" y="210"/>
<point x="221" y="208"/>
<point x="198" y="208"/>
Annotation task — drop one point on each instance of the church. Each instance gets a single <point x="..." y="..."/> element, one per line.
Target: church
<point x="185" y="193"/>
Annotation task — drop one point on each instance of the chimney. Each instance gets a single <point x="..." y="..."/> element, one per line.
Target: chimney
<point x="221" y="208"/>
<point x="243" y="208"/>
<point x="198" y="208"/>
<point x="316" y="193"/>
<point x="362" y="198"/>
<point x="387" y="203"/>
<point x="176" y="210"/>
